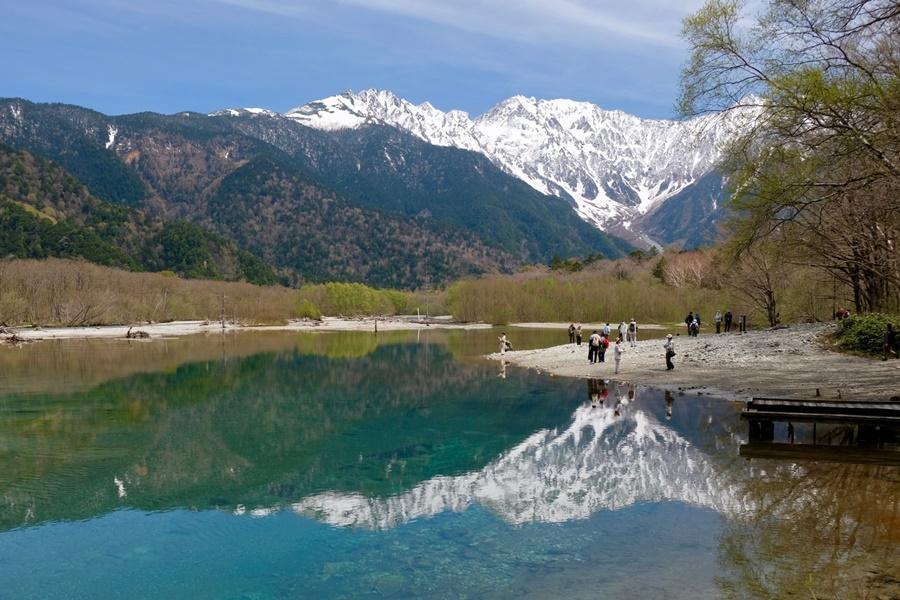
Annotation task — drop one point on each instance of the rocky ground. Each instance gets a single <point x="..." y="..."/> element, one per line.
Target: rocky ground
<point x="789" y="362"/>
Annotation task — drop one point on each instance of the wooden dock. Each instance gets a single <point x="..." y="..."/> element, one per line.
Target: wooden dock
<point x="857" y="432"/>
<point x="824" y="411"/>
<point x="836" y="454"/>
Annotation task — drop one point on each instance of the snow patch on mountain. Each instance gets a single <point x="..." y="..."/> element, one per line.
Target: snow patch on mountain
<point x="111" y="131"/>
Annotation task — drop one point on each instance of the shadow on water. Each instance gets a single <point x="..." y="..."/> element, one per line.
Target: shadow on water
<point x="390" y="467"/>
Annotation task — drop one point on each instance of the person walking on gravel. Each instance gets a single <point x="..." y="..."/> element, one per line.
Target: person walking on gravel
<point x="632" y="333"/>
<point x="669" y="347"/>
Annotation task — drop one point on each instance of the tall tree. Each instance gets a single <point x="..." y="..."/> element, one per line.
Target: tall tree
<point x="818" y="166"/>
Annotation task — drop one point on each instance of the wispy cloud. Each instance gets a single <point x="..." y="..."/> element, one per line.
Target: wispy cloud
<point x="593" y="21"/>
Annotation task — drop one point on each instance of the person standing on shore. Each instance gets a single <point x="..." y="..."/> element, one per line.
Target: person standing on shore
<point x="688" y="320"/>
<point x="593" y="347"/>
<point x="632" y="333"/>
<point x="890" y="342"/>
<point x="606" y="330"/>
<point x="728" y="318"/>
<point x="623" y="330"/>
<point x="618" y="351"/>
<point x="601" y="351"/>
<point x="718" y="319"/>
<point x="578" y="335"/>
<point x="670" y="352"/>
<point x="572" y="333"/>
<point x="504" y="342"/>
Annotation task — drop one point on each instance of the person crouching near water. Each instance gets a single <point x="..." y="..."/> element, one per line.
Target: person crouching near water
<point x="669" y="347"/>
<point x="618" y="351"/>
<point x="504" y="342"/>
<point x="594" y="347"/>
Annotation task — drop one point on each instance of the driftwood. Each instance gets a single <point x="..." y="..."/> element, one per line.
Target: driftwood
<point x="138" y="334"/>
<point x="12" y="338"/>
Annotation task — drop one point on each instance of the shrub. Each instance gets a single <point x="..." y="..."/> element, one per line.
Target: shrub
<point x="399" y="300"/>
<point x="864" y="333"/>
<point x="308" y="310"/>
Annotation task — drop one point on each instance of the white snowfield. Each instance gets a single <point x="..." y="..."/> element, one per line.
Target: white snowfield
<point x="615" y="167"/>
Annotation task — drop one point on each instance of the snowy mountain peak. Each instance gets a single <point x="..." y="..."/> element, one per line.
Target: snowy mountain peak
<point x="614" y="167"/>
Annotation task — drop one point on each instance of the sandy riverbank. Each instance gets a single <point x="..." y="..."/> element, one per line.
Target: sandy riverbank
<point x="179" y="328"/>
<point x="790" y="362"/>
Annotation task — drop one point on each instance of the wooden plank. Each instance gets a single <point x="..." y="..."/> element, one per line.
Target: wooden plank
<point x="763" y="404"/>
<point x="809" y="416"/>
<point x="764" y="399"/>
<point x="840" y="454"/>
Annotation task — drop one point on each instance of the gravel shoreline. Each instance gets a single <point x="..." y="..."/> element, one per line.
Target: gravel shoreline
<point x="178" y="328"/>
<point x="787" y="362"/>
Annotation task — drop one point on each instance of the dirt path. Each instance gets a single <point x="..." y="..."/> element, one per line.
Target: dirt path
<point x="789" y="362"/>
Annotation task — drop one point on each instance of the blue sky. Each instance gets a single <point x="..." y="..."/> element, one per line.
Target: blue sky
<point x="173" y="55"/>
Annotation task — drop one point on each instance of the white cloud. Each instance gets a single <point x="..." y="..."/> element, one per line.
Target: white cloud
<point x="655" y="23"/>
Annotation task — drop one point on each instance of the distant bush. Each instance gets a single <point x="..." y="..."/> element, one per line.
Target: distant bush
<point x="308" y="310"/>
<point x="347" y="299"/>
<point x="71" y="292"/>
<point x="864" y="333"/>
<point x="399" y="300"/>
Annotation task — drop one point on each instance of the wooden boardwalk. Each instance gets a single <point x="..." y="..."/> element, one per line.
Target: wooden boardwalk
<point x="828" y="411"/>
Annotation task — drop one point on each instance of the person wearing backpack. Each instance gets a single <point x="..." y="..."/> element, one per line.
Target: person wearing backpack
<point x="604" y="344"/>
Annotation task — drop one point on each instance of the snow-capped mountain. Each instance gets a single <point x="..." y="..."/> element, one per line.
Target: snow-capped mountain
<point x="601" y="461"/>
<point x="615" y="168"/>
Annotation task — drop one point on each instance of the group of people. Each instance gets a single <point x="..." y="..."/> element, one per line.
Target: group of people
<point x="626" y="331"/>
<point x="599" y="341"/>
<point x="693" y="322"/>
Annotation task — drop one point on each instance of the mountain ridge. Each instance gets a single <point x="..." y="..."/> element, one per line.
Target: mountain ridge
<point x="614" y="168"/>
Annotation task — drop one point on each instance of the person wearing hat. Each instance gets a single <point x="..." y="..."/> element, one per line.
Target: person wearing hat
<point x="670" y="352"/>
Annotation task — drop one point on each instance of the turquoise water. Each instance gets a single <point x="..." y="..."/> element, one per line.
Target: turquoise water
<point x="347" y="466"/>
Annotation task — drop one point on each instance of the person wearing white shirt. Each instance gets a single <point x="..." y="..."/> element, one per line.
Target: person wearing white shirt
<point x="618" y="351"/>
<point x="670" y="352"/>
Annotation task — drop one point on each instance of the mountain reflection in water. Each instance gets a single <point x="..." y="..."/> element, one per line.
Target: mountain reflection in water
<point x="393" y="438"/>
